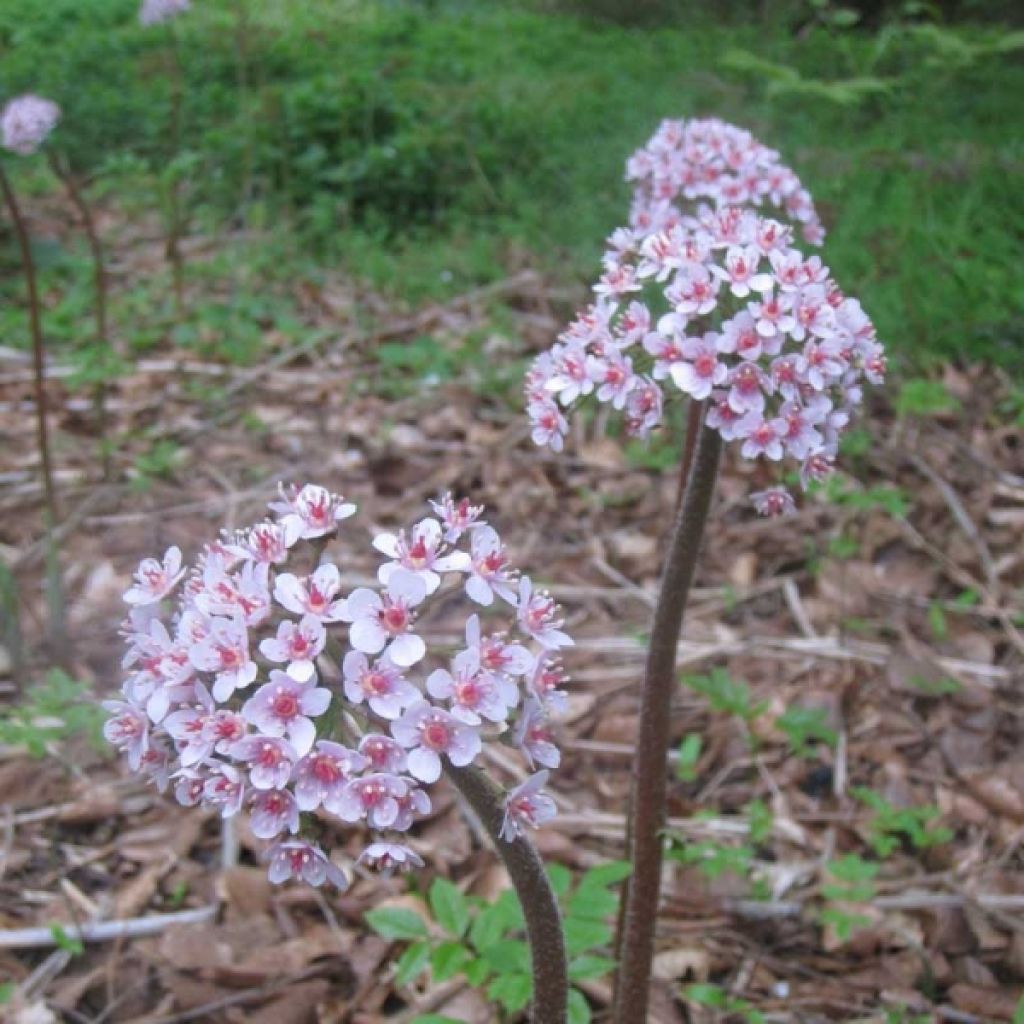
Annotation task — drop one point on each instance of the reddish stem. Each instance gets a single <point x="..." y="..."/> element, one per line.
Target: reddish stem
<point x="100" y="282"/>
<point x="38" y="357"/>
<point x="650" y="767"/>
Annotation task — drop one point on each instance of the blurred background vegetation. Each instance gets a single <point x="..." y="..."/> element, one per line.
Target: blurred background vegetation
<point x="430" y="146"/>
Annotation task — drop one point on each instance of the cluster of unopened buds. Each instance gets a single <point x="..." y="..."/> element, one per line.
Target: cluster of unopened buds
<point x="243" y="694"/>
<point x="720" y="304"/>
<point x="26" y="121"/>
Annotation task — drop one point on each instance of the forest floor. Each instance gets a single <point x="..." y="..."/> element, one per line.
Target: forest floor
<point x="874" y="644"/>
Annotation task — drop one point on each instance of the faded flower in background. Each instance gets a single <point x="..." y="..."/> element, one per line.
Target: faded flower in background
<point x="26" y="121"/>
<point x="155" y="12"/>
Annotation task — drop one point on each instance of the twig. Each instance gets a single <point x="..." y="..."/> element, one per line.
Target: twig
<point x="106" y="931"/>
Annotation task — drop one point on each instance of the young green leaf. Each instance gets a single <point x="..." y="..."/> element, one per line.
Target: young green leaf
<point x="448" y="959"/>
<point x="513" y="991"/>
<point x="412" y="963"/>
<point x="396" y="923"/>
<point x="449" y="907"/>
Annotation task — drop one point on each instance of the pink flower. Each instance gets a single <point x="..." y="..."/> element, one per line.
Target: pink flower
<point x="472" y="694"/>
<point x="419" y="553"/>
<point x="383" y="621"/>
<point x="297" y="644"/>
<point x="270" y="760"/>
<point x="316" y="596"/>
<point x="373" y="797"/>
<point x="382" y="686"/>
<point x="225" y="651"/>
<point x="489" y="572"/>
<point x="245" y="593"/>
<point x="748" y="384"/>
<point x="740" y="271"/>
<point x="272" y="812"/>
<point x="224" y="788"/>
<point x="533" y="736"/>
<point x="321" y="775"/>
<point x="388" y="857"/>
<point x="128" y="730"/>
<point x="155" y="580"/>
<point x="644" y="407"/>
<point x="456" y="516"/>
<point x="265" y="542"/>
<point x="286" y="707"/>
<point x="775" y="501"/>
<point x="310" y="512"/>
<point x="702" y="371"/>
<point x="304" y="861"/>
<point x="527" y="805"/>
<point x="427" y="732"/>
<point x="545" y="679"/>
<point x="549" y="425"/>
<point x="538" y="616"/>
<point x="25" y="122"/>
<point x="761" y="437"/>
<point x="382" y="753"/>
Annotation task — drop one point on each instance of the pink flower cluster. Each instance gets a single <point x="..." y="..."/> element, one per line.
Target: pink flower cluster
<point x="710" y="159"/>
<point x="155" y="12"/>
<point x="241" y="693"/>
<point x="722" y="307"/>
<point x="25" y="122"/>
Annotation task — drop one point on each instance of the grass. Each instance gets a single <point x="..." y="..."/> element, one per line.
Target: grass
<point x="429" y="147"/>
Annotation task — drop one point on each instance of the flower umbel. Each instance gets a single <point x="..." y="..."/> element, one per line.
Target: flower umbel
<point x="238" y="666"/>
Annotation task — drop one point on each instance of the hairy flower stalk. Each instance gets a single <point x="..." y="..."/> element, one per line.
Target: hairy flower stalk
<point x="647" y="816"/>
<point x="538" y="901"/>
<point x="243" y="695"/>
<point x="704" y="296"/>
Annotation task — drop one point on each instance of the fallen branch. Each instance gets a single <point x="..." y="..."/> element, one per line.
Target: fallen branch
<point x="105" y="931"/>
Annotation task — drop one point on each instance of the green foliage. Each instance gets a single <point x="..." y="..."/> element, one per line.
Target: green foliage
<point x="54" y="710"/>
<point x="853" y="882"/>
<point x="727" y="695"/>
<point x="689" y="755"/>
<point x="69" y="943"/>
<point x="426" y="144"/>
<point x="804" y="727"/>
<point x="396" y="923"/>
<point x="783" y="80"/>
<point x="890" y="825"/>
<point x="714" y="997"/>
<point x="893" y="500"/>
<point x="485" y="942"/>
<point x="920" y="396"/>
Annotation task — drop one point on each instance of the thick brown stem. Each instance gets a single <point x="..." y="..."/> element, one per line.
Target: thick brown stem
<point x="694" y="418"/>
<point x="540" y="907"/>
<point x="100" y="283"/>
<point x="650" y="768"/>
<point x="38" y="355"/>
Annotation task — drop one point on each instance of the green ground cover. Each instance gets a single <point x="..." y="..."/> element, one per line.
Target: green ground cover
<point x="430" y="147"/>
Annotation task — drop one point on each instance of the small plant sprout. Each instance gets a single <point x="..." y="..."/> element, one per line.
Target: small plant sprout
<point x="705" y="295"/>
<point x="254" y="683"/>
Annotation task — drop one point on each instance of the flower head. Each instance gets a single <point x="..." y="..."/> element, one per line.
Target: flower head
<point x="25" y="122"/>
<point x="241" y="677"/>
<point x="155" y="12"/>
